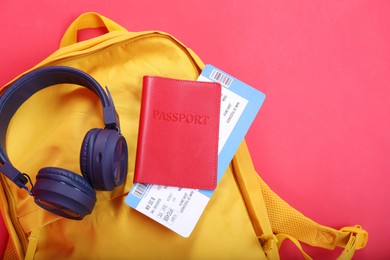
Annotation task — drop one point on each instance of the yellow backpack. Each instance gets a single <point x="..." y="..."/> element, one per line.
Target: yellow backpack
<point x="244" y="219"/>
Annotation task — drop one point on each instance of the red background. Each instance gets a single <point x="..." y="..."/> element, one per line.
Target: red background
<point x="321" y="138"/>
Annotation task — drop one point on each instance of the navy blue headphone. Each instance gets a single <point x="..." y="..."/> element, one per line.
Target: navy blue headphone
<point x="103" y="156"/>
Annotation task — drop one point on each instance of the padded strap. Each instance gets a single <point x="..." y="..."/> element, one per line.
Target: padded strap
<point x="88" y="20"/>
<point x="269" y="210"/>
<point x="285" y="219"/>
<point x="250" y="187"/>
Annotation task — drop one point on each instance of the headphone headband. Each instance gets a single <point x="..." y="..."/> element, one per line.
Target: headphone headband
<point x="23" y="88"/>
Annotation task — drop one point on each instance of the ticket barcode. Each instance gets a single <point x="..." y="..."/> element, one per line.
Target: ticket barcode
<point x="139" y="189"/>
<point x="221" y="78"/>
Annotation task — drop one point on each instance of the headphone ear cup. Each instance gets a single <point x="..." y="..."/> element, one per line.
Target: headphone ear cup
<point x="64" y="193"/>
<point x="103" y="158"/>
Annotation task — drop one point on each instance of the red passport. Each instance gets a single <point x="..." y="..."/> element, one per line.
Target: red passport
<point x="178" y="133"/>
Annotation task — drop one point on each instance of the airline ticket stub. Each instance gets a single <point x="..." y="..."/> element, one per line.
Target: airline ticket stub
<point x="179" y="209"/>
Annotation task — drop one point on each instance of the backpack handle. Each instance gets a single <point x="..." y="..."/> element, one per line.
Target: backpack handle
<point x="88" y="20"/>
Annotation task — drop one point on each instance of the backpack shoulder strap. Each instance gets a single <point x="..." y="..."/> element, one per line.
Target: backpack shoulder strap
<point x="250" y="187"/>
<point x="267" y="210"/>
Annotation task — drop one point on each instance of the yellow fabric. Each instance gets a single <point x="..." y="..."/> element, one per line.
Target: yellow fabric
<point x="282" y="237"/>
<point x="32" y="244"/>
<point x="240" y="221"/>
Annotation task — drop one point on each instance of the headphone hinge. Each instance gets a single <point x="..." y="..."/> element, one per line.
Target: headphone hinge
<point x="14" y="175"/>
<point x="111" y="118"/>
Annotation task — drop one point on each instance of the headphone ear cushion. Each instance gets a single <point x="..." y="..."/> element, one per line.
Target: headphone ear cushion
<point x="86" y="153"/>
<point x="103" y="158"/>
<point x="64" y="193"/>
